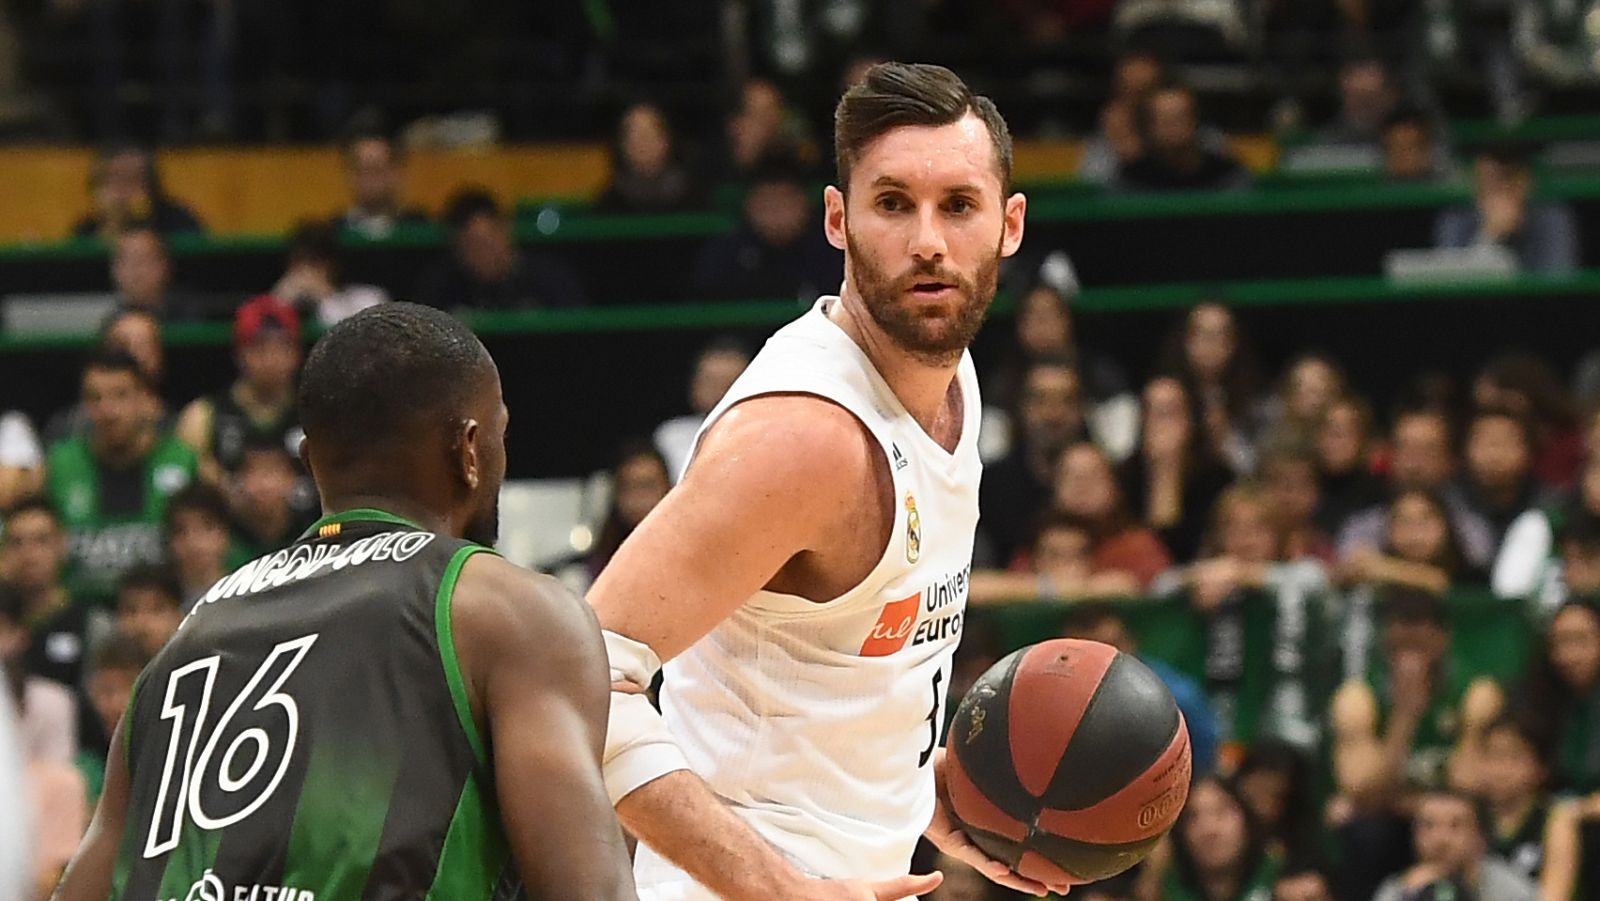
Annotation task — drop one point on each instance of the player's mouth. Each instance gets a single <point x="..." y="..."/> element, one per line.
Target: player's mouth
<point x="932" y="290"/>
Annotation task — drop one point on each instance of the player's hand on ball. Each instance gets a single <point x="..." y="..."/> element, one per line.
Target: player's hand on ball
<point x="947" y="836"/>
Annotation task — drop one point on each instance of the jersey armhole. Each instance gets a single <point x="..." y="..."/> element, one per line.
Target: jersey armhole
<point x="127" y="722"/>
<point x="447" y="649"/>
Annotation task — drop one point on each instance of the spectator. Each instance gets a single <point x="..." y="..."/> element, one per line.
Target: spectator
<point x="312" y="281"/>
<point x="141" y="276"/>
<point x="1101" y="622"/>
<point x="374" y="170"/>
<point x="1223" y="383"/>
<point x="1218" y="851"/>
<point x="1515" y="790"/>
<point x="1344" y="457"/>
<point x="1545" y="556"/>
<point x="113" y="672"/>
<point x="1561" y="693"/>
<point x="126" y="193"/>
<point x="1059" y="567"/>
<point x="1526" y="385"/>
<point x="1367" y="97"/>
<point x="638" y="483"/>
<point x="760" y="128"/>
<point x="719" y="364"/>
<point x="111" y="484"/>
<point x="48" y="712"/>
<point x="149" y="606"/>
<point x="260" y="404"/>
<point x="1175" y="158"/>
<point x="1015" y="491"/>
<point x="486" y="271"/>
<point x="1542" y="236"/>
<point x="1274" y="778"/>
<point x="1301" y="881"/>
<point x="136" y="333"/>
<point x="1499" y="484"/>
<point x="1412" y="724"/>
<point x="33" y="555"/>
<point x="1310" y="384"/>
<point x="262" y="491"/>
<point x="1117" y="143"/>
<point x="1452" y="857"/>
<point x="1085" y="488"/>
<point x="1175" y="479"/>
<point x="21" y="458"/>
<point x="199" y="540"/>
<point x="59" y="805"/>
<point x="1422" y="550"/>
<point x="777" y="251"/>
<point x="1422" y="457"/>
<point x="1411" y="152"/>
<point x="1289" y="475"/>
<point x="647" y="171"/>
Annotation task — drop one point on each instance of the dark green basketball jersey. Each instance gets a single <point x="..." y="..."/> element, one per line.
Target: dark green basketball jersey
<point x="306" y="735"/>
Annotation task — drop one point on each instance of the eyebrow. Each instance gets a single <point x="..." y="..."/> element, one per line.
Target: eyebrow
<point x="887" y="181"/>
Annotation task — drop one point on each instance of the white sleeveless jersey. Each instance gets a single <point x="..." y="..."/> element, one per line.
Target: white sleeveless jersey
<point x="816" y="722"/>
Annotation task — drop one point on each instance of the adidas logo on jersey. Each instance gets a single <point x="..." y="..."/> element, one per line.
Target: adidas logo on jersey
<point x="900" y="461"/>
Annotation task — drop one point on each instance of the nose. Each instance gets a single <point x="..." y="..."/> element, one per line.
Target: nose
<point x="927" y="238"/>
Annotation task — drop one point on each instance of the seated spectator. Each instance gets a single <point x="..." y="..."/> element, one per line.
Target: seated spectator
<point x="111" y="484"/>
<point x="199" y="540"/>
<point x="136" y="333"/>
<point x="141" y="277"/>
<point x="1302" y="881"/>
<point x="647" y="171"/>
<point x="1422" y="550"/>
<point x="1085" y="488"/>
<point x="374" y="171"/>
<point x="33" y="556"/>
<point x="1310" y="383"/>
<point x="1543" y="236"/>
<point x="126" y="193"/>
<point x="21" y="458"/>
<point x="149" y="606"/>
<point x="1499" y="484"/>
<point x="1218" y="851"/>
<point x="1289" y="476"/>
<point x="1101" y="622"/>
<point x="1412" y="723"/>
<point x="1117" y="143"/>
<point x="1453" y="859"/>
<point x="486" y="270"/>
<point x="1175" y="158"/>
<point x="762" y="126"/>
<point x="1422" y="457"/>
<point x="777" y="251"/>
<point x="1367" y="96"/>
<point x="262" y="492"/>
<point x="1344" y="461"/>
<point x="1561" y="693"/>
<point x="719" y="364"/>
<point x="1219" y="372"/>
<point x="312" y="282"/>
<point x="1275" y="780"/>
<point x="1175" y="478"/>
<point x="1411" y="152"/>
<point x="47" y="711"/>
<point x="1515" y="791"/>
<point x="260" y="404"/>
<point x="638" y="482"/>
<point x="113" y="672"/>
<point x="59" y="799"/>
<point x="1526" y="385"/>
<point x="1015" y="490"/>
<point x="1059" y="568"/>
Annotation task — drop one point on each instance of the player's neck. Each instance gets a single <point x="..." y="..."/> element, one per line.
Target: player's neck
<point x="397" y="506"/>
<point x="922" y="387"/>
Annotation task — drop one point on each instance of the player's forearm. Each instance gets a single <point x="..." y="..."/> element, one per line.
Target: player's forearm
<point x="684" y="821"/>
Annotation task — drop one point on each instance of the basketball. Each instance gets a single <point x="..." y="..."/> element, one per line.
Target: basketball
<point x="1068" y="760"/>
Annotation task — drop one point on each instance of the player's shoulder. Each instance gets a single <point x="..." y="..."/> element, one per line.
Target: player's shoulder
<point x="495" y="597"/>
<point x="788" y="436"/>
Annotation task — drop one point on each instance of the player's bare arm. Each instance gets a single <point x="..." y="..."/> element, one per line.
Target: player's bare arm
<point x="538" y="682"/>
<point x="88" y="876"/>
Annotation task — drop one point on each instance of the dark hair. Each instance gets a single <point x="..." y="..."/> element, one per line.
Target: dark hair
<point x="1255" y="847"/>
<point x="257" y="443"/>
<point x="386" y="373"/>
<point x="467" y="204"/>
<point x="1480" y="815"/>
<point x="13" y="606"/>
<point x="1449" y="557"/>
<point x="614" y="531"/>
<point x="1506" y="153"/>
<point x="722" y="344"/>
<point x="1544" y="693"/>
<point x="314" y="242"/>
<point x="777" y="167"/>
<point x="1299" y="865"/>
<point x="1529" y="375"/>
<point x="152" y="577"/>
<point x="1364" y="420"/>
<point x="895" y="95"/>
<point x="1241" y="377"/>
<point x="112" y="359"/>
<point x="196" y="497"/>
<point x="1528" y="728"/>
<point x="119" y="651"/>
<point x="1298" y="831"/>
<point x="1052" y="519"/>
<point x="1407" y="605"/>
<point x="34" y="503"/>
<point x="1579" y="526"/>
<point x="1406" y="115"/>
<point x="1081" y="618"/>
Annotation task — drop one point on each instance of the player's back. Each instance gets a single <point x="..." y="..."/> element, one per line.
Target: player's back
<point x="306" y="736"/>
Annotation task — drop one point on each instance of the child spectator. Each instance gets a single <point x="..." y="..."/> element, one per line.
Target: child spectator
<point x="199" y="541"/>
<point x="149" y="606"/>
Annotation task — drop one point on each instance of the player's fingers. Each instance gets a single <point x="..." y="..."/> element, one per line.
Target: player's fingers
<point x="627" y="688"/>
<point x="959" y="846"/>
<point x="906" y="886"/>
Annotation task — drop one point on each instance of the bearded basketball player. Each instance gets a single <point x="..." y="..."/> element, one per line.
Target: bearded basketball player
<point x="805" y="582"/>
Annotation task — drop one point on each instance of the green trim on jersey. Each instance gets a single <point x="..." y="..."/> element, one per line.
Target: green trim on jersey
<point x="343" y="805"/>
<point x="447" y="654"/>
<point x="476" y="851"/>
<point x="188" y="863"/>
<point x="360" y="514"/>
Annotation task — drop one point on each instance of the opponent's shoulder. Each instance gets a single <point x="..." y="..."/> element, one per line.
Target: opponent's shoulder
<point x="780" y="437"/>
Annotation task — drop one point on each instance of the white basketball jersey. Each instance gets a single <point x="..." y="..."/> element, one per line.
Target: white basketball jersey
<point x="816" y="722"/>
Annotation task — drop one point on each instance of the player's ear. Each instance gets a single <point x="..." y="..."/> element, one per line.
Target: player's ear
<point x="470" y="466"/>
<point x="833" y="216"/>
<point x="1016" y="211"/>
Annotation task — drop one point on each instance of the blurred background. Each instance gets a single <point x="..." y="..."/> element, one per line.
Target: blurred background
<point x="1291" y="390"/>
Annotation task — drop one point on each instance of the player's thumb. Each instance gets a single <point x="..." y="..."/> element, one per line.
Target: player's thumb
<point x="906" y="886"/>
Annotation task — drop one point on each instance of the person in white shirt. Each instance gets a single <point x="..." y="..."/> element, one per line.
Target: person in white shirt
<point x="805" y="582"/>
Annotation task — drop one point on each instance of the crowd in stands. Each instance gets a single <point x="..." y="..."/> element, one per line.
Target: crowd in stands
<point x="1379" y="614"/>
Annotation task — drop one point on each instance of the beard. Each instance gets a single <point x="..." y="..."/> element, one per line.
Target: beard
<point x="937" y="339"/>
<point x="484" y="527"/>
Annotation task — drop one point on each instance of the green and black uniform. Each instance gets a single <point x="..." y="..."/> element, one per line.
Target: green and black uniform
<point x="233" y="431"/>
<point x="1523" y="848"/>
<point x="113" y="516"/>
<point x="1437" y="731"/>
<point x="315" y="702"/>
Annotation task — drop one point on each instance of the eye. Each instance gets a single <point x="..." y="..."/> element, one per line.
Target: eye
<point x="892" y="203"/>
<point x="959" y="205"/>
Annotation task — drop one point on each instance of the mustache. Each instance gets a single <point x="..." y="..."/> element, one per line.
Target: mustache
<point x="928" y="270"/>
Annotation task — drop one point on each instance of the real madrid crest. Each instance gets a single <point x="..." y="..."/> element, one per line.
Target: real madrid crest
<point x="913" y="530"/>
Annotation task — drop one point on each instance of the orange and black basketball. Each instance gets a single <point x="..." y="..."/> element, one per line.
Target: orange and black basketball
<point x="1068" y="760"/>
